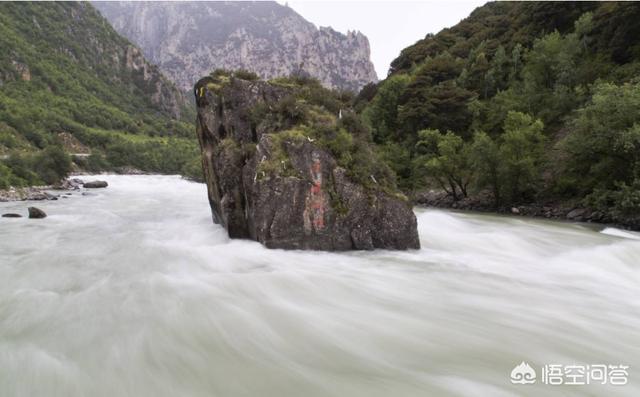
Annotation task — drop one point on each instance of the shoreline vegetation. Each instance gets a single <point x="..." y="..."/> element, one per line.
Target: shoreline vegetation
<point x="518" y="110"/>
<point x="50" y="192"/>
<point x="555" y="211"/>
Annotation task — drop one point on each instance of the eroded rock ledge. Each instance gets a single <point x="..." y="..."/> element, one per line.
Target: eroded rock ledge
<point x="283" y="168"/>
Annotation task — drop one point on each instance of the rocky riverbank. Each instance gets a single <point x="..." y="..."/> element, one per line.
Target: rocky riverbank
<point x="31" y="193"/>
<point x="49" y="192"/>
<point x="549" y="210"/>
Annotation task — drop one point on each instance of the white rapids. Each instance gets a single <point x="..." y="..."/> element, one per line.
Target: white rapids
<point x="132" y="291"/>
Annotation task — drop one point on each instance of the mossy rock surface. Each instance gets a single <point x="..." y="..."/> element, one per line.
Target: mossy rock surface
<point x="284" y="168"/>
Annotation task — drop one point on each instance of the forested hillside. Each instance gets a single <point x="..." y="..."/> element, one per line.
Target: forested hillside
<point x="69" y="84"/>
<point x="523" y="102"/>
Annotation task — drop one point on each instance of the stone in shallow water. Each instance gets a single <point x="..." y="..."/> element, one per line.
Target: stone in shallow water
<point x="95" y="184"/>
<point x="36" y="213"/>
<point x="71" y="184"/>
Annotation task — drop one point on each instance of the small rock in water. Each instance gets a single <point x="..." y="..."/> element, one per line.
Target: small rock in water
<point x="36" y="213"/>
<point x="95" y="184"/>
<point x="71" y="184"/>
<point x="11" y="215"/>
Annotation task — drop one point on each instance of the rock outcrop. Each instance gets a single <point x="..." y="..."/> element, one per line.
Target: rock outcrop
<point x="190" y="39"/>
<point x="278" y="177"/>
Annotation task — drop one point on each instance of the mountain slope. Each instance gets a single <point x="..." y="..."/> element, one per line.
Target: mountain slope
<point x="509" y="23"/>
<point x="521" y="102"/>
<point x="67" y="76"/>
<point x="505" y="23"/>
<point x="190" y="39"/>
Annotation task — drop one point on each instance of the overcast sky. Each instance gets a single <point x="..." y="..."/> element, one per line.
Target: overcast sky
<point x="389" y="25"/>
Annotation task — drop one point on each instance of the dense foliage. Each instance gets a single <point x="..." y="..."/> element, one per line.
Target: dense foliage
<point x="603" y="149"/>
<point x="45" y="166"/>
<point x="313" y="113"/>
<point x="63" y="69"/>
<point x="527" y="101"/>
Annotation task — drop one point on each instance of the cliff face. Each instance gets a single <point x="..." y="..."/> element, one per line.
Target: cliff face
<point x="190" y="39"/>
<point x="275" y="170"/>
<point x="161" y="92"/>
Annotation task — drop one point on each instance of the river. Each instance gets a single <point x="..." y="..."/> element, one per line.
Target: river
<point x="132" y="291"/>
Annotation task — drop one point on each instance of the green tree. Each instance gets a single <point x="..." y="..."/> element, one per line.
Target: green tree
<point x="522" y="152"/>
<point x="497" y="77"/>
<point x="550" y="77"/>
<point x="603" y="147"/>
<point x="446" y="160"/>
<point x="583" y="28"/>
<point x="52" y="164"/>
<point x="398" y="158"/>
<point x="486" y="160"/>
<point x="476" y="70"/>
<point x="511" y="165"/>
<point x="516" y="62"/>
<point x="435" y="100"/>
<point x="8" y="178"/>
<point x="382" y="113"/>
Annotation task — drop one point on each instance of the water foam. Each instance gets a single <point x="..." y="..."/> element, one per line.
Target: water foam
<point x="132" y="291"/>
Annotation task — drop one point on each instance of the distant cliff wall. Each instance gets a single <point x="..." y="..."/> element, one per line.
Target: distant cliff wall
<point x="190" y="39"/>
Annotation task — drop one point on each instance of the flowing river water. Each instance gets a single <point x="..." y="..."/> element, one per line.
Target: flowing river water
<point x="132" y="291"/>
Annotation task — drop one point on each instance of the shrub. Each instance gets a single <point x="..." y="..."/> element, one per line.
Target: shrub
<point x="8" y="178"/>
<point x="246" y="75"/>
<point x="52" y="164"/>
<point x="624" y="200"/>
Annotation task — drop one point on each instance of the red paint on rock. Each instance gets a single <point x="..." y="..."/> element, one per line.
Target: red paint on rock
<point x="315" y="203"/>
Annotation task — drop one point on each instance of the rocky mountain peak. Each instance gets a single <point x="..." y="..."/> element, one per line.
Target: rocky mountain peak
<point x="190" y="39"/>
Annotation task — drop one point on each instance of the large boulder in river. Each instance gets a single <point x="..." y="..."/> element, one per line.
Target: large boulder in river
<point x="36" y="213"/>
<point x="287" y="165"/>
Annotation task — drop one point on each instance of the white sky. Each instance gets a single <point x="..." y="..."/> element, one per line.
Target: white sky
<point x="389" y="25"/>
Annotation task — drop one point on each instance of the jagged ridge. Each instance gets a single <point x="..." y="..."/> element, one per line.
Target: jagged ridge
<point x="190" y="39"/>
